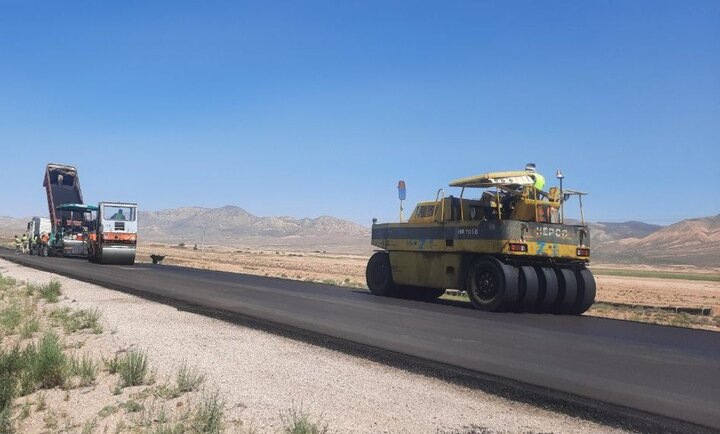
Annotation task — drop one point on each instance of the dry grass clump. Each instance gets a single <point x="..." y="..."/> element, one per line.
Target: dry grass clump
<point x="50" y="291"/>
<point x="85" y="368"/>
<point x="298" y="421"/>
<point x="74" y="320"/>
<point x="188" y="378"/>
<point x="133" y="368"/>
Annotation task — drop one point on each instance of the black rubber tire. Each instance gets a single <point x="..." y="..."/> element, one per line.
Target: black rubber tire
<point x="586" y="291"/>
<point x="378" y="275"/>
<point x="549" y="288"/>
<point x="492" y="285"/>
<point x="568" y="290"/>
<point x="529" y="288"/>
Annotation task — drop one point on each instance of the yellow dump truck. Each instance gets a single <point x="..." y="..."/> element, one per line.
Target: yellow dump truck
<point x="508" y="247"/>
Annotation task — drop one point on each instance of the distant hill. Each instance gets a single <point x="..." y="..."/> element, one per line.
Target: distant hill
<point x="232" y="225"/>
<point x="12" y="225"/>
<point x="692" y="241"/>
<point x="603" y="231"/>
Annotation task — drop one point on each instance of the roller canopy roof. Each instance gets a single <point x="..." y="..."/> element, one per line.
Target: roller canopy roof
<point x="507" y="179"/>
<point x="76" y="207"/>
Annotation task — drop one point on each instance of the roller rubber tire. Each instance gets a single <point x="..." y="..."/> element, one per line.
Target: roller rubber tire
<point x="549" y="288"/>
<point x="568" y="290"/>
<point x="378" y="275"/>
<point x="586" y="291"/>
<point x="529" y="288"/>
<point x="492" y="285"/>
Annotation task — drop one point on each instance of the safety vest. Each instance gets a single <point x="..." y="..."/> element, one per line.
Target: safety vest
<point x="17" y="240"/>
<point x="24" y="238"/>
<point x="539" y="181"/>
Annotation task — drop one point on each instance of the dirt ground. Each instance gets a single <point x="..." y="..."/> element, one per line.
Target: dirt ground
<point x="349" y="270"/>
<point x="259" y="377"/>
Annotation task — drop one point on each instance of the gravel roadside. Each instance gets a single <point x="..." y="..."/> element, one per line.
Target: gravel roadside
<point x="262" y="375"/>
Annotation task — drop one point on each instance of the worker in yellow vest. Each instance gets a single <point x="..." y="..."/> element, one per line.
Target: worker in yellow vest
<point x="538" y="178"/>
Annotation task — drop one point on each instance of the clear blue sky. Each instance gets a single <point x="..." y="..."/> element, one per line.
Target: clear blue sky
<point x="310" y="108"/>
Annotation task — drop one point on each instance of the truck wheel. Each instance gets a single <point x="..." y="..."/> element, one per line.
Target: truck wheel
<point x="529" y="288"/>
<point x="586" y="291"/>
<point x="491" y="284"/>
<point x="547" y="299"/>
<point x="379" y="275"/>
<point x="568" y="290"/>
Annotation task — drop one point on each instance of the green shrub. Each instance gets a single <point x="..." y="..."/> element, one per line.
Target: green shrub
<point x="11" y="317"/>
<point x="51" y="291"/>
<point x="11" y="363"/>
<point x="298" y="421"/>
<point x="132" y="406"/>
<point x="78" y="320"/>
<point x="48" y="363"/>
<point x="188" y="378"/>
<point x="133" y="368"/>
<point x="209" y="414"/>
<point x="89" y="426"/>
<point x="112" y="365"/>
<point x="107" y="411"/>
<point x="30" y="326"/>
<point x="31" y="289"/>
<point x="85" y="368"/>
<point x="88" y="319"/>
<point x="41" y="401"/>
<point x="171" y="428"/>
<point x="24" y="371"/>
<point x="5" y="423"/>
<point x="7" y="282"/>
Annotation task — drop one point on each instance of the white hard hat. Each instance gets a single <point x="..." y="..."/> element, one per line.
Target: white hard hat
<point x="530" y="167"/>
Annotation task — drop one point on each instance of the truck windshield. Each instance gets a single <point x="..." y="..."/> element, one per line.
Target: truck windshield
<point x="120" y="213"/>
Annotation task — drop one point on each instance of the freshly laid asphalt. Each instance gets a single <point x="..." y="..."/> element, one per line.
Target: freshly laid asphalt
<point x="666" y="371"/>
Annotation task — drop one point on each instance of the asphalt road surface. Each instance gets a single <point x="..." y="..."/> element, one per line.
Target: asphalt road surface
<point x="666" y="371"/>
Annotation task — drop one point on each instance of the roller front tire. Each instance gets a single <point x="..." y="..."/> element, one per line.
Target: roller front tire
<point x="378" y="275"/>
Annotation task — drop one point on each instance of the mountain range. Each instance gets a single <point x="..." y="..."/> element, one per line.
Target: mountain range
<point x="693" y="241"/>
<point x="232" y="225"/>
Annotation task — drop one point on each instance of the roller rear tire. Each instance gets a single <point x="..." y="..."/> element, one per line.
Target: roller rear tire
<point x="547" y="300"/>
<point x="586" y="291"/>
<point x="529" y="288"/>
<point x="568" y="290"/>
<point x="378" y="275"/>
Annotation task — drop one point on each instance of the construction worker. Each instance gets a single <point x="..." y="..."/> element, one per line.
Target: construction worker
<point x="34" y="243"/>
<point x="118" y="215"/>
<point x="44" y="239"/>
<point x="538" y="178"/>
<point x="18" y="244"/>
<point x="24" y="240"/>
